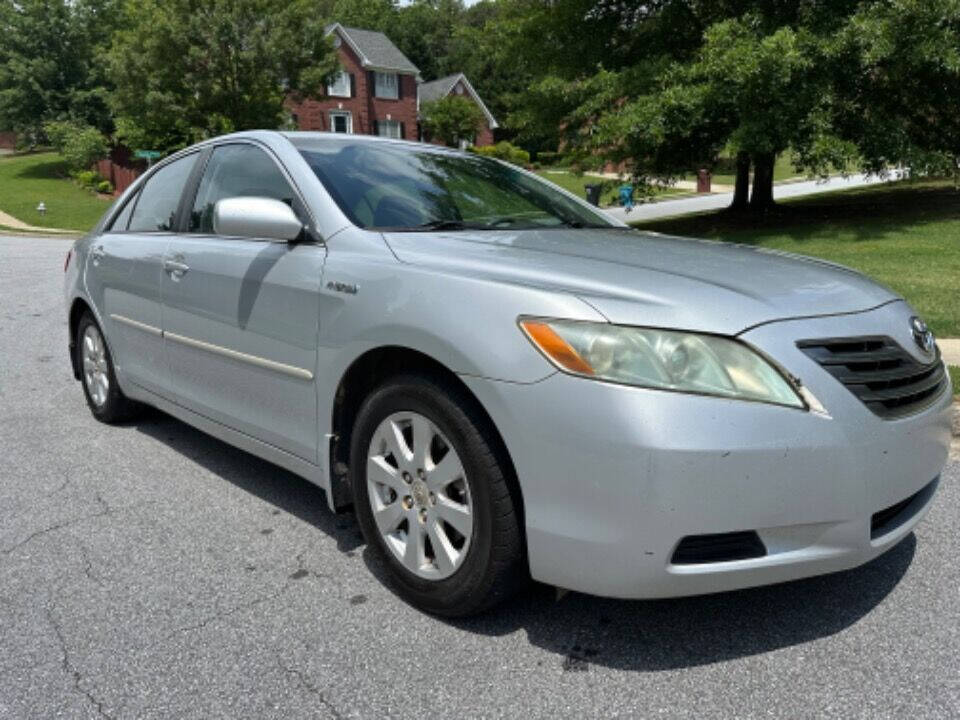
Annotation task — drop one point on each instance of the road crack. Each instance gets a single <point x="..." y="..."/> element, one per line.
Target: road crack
<point x="72" y="671"/>
<point x="105" y="510"/>
<point x="305" y="683"/>
<point x="221" y="615"/>
<point x="53" y="528"/>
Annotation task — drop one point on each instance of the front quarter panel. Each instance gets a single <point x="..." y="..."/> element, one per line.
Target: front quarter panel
<point x="469" y="324"/>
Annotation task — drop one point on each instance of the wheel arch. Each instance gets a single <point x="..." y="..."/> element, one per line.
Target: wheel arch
<point x="369" y="371"/>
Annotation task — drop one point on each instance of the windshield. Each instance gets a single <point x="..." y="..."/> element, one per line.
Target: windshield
<point x="389" y="186"/>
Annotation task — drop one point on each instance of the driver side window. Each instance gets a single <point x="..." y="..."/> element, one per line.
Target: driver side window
<point x="237" y="171"/>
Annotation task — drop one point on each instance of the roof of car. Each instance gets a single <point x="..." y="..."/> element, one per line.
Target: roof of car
<point x="374" y="49"/>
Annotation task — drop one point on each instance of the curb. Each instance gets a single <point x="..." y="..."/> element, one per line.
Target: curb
<point x="72" y="236"/>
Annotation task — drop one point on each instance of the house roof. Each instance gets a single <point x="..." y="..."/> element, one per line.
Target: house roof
<point x="437" y="89"/>
<point x="375" y="50"/>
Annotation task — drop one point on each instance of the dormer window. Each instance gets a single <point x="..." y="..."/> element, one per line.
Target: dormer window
<point x="386" y="85"/>
<point x="340" y="87"/>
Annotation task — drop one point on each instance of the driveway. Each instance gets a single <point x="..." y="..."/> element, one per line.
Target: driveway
<point x="718" y="201"/>
<point x="149" y="571"/>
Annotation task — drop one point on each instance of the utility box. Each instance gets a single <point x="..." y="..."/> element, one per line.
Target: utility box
<point x="703" y="180"/>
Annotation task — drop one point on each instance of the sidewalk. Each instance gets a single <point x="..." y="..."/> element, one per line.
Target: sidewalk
<point x="718" y="201"/>
<point x="9" y="221"/>
<point x="950" y="349"/>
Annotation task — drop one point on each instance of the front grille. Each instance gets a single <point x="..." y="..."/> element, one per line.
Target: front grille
<point x="891" y="518"/>
<point x="720" y="547"/>
<point x="885" y="377"/>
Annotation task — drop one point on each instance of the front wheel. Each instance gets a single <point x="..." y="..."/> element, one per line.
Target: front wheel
<point x="432" y="497"/>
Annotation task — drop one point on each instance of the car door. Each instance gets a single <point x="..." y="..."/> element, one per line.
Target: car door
<point x="241" y="314"/>
<point x="123" y="274"/>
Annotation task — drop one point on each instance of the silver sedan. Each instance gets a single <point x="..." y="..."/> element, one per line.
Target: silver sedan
<point x="505" y="383"/>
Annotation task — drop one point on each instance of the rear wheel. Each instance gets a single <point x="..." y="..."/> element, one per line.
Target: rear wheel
<point x="432" y="497"/>
<point x="107" y="403"/>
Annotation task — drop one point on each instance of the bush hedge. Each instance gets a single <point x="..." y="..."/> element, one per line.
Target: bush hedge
<point x="503" y="151"/>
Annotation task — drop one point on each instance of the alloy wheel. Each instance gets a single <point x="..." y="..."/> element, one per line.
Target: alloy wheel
<point x="96" y="375"/>
<point x="419" y="495"/>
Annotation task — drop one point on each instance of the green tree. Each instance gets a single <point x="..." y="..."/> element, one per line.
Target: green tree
<point x="183" y="70"/>
<point x="380" y="15"/>
<point x="451" y="119"/>
<point x="424" y="30"/>
<point x="48" y="67"/>
<point x="755" y="80"/>
<point x="898" y="83"/>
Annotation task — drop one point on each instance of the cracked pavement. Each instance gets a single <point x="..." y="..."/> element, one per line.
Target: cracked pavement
<point x="150" y="571"/>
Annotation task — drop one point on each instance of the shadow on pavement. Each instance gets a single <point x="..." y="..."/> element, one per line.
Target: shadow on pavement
<point x="651" y="635"/>
<point x="279" y="487"/>
<point x="582" y="630"/>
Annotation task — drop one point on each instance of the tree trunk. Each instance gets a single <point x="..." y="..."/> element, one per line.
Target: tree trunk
<point x="762" y="197"/>
<point x="741" y="190"/>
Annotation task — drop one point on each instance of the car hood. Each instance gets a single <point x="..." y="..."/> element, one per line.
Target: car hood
<point x="649" y="279"/>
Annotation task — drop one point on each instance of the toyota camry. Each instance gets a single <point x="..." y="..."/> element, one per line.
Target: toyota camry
<point x="504" y="382"/>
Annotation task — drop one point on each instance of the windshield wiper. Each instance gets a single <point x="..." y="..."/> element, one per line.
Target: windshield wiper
<point x="579" y="224"/>
<point x="423" y="227"/>
<point x="441" y="225"/>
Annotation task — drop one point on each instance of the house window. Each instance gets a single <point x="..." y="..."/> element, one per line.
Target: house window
<point x="341" y="122"/>
<point x="340" y="87"/>
<point x="389" y="128"/>
<point x="386" y="85"/>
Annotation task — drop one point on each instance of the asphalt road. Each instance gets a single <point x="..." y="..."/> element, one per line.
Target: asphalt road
<point x="150" y="571"/>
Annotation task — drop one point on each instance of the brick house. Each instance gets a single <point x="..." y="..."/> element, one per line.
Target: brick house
<point x="458" y="84"/>
<point x="375" y="93"/>
<point x="378" y="91"/>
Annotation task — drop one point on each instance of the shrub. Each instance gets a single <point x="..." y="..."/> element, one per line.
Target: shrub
<point x="57" y="132"/>
<point x="80" y="145"/>
<point x="84" y="147"/>
<point x="105" y="187"/>
<point x="87" y="178"/>
<point x="503" y="151"/>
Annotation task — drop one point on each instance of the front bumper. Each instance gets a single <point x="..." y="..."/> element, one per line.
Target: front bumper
<point x="613" y="478"/>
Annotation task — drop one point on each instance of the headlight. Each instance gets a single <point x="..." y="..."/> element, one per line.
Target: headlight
<point x="664" y="359"/>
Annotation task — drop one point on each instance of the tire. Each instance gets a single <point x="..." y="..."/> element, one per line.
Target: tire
<point x="490" y="564"/>
<point x="109" y="406"/>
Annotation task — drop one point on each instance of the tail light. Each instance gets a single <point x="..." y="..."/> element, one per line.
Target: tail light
<point x="66" y="262"/>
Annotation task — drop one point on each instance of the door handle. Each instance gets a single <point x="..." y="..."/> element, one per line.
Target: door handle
<point x="175" y="268"/>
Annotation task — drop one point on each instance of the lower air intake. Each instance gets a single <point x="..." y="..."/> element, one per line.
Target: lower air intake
<point x="719" y="547"/>
<point x="889" y="519"/>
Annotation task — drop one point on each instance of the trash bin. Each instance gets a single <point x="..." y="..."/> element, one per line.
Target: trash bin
<point x="593" y="193"/>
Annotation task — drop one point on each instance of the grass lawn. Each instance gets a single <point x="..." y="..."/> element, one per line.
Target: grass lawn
<point x="955" y="377"/>
<point x="571" y="182"/>
<point x="26" y="180"/>
<point x="905" y="235"/>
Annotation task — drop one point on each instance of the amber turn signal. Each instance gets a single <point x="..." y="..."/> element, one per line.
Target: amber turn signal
<point x="555" y="347"/>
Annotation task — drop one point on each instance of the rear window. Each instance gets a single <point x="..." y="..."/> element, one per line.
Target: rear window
<point x="156" y="208"/>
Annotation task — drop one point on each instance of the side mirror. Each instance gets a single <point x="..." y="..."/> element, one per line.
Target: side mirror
<point x="256" y="217"/>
